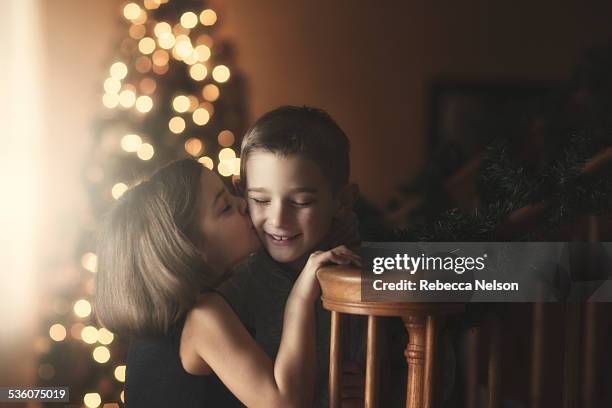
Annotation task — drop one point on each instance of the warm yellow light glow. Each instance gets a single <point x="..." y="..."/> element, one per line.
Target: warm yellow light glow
<point x="162" y="28"/>
<point x="191" y="58"/>
<point x="131" y="142"/>
<point x="237" y="166"/>
<point x="105" y="336"/>
<point x="120" y="373"/>
<point x="201" y="116"/>
<point x="110" y="100"/>
<point x="180" y="103"/>
<point x="227" y="154"/>
<point x="193" y="146"/>
<point x="221" y="73"/>
<point x="122" y="397"/>
<point x="203" y="52"/>
<point x="145" y="151"/>
<point x="82" y="308"/>
<point x="118" y="70"/>
<point x="148" y="86"/>
<point x="151" y="4"/>
<point x="205" y="39"/>
<point x="89" y="334"/>
<point x="101" y="354"/>
<point x="209" y="107"/>
<point x="137" y="31"/>
<point x="146" y="45"/>
<point x="131" y="11"/>
<point x="189" y="19"/>
<point x="92" y="400"/>
<point x="206" y="162"/>
<point x="176" y="124"/>
<point x="143" y="64"/>
<point x="210" y="92"/>
<point x="57" y="332"/>
<point x="178" y="29"/>
<point x="226" y="138"/>
<point x="118" y="190"/>
<point x="193" y="103"/>
<point x="141" y="19"/>
<point x="75" y="331"/>
<point x="160" y="57"/>
<point x="226" y="168"/>
<point x="89" y="261"/>
<point x="144" y="103"/>
<point x="208" y="17"/>
<point x="198" y="72"/>
<point x="183" y="46"/>
<point x="166" y="40"/>
<point x="112" y="85"/>
<point x="160" y="70"/>
<point x="127" y="98"/>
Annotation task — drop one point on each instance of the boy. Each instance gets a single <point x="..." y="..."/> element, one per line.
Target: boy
<point x="294" y="175"/>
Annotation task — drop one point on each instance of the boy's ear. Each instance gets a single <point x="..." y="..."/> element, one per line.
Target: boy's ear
<point x="348" y="196"/>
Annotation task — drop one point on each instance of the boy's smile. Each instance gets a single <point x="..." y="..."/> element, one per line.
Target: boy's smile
<point x="290" y="203"/>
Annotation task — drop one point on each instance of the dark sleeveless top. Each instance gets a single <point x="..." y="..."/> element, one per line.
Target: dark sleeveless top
<point x="155" y="377"/>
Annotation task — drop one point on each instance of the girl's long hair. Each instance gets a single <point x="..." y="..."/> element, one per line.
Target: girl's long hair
<point x="149" y="271"/>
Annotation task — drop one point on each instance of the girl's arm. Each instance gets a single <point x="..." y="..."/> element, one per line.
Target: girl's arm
<point x="219" y="339"/>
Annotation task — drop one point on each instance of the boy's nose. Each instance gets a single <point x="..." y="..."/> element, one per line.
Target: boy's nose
<point x="279" y="215"/>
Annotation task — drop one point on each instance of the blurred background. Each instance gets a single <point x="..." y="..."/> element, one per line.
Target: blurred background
<point x="96" y="94"/>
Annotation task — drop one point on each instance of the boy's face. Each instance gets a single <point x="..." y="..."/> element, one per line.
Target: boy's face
<point x="290" y="203"/>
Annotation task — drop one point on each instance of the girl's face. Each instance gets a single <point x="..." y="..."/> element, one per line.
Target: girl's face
<point x="227" y="234"/>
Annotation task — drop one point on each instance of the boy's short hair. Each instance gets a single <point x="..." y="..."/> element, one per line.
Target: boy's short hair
<point x="303" y="131"/>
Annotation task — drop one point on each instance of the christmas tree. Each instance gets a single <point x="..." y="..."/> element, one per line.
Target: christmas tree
<point x="169" y="93"/>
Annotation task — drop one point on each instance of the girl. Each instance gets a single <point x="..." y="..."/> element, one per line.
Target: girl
<point x="164" y="249"/>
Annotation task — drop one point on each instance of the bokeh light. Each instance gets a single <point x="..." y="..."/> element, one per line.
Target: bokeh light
<point x="112" y="85"/>
<point x="201" y="116"/>
<point x="221" y="73"/>
<point x="145" y="152"/>
<point x="181" y="103"/>
<point x="142" y="64"/>
<point x="118" y="70"/>
<point x="162" y="28"/>
<point x="131" y="142"/>
<point x="132" y="11"/>
<point x="226" y="168"/>
<point x="210" y="92"/>
<point x="137" y="31"/>
<point x="57" y="332"/>
<point x="105" y="336"/>
<point x="146" y="45"/>
<point x="118" y="190"/>
<point x="227" y="154"/>
<point x="110" y="100"/>
<point x="89" y="334"/>
<point x="144" y="104"/>
<point x="198" y="72"/>
<point x="166" y="40"/>
<point x="208" y="17"/>
<point x="206" y="162"/>
<point x="194" y="146"/>
<point x="120" y="373"/>
<point x="203" y="52"/>
<point x="92" y="400"/>
<point x="89" y="261"/>
<point x="189" y="19"/>
<point x="148" y="86"/>
<point x="127" y="98"/>
<point x="176" y="124"/>
<point x="226" y="138"/>
<point x="82" y="308"/>
<point x="101" y="354"/>
<point x="160" y="57"/>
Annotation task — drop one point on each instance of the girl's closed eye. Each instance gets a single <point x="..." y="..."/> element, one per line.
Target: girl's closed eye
<point x="302" y="203"/>
<point x="259" y="200"/>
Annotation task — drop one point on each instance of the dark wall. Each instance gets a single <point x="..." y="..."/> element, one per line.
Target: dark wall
<point x="369" y="63"/>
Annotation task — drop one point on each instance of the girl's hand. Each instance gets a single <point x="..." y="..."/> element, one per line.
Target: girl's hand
<point x="340" y="255"/>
